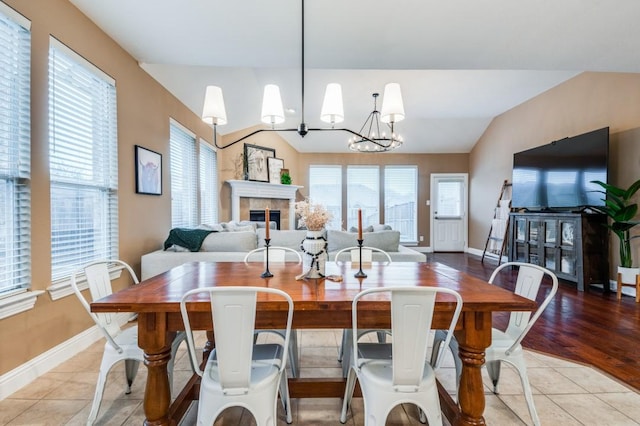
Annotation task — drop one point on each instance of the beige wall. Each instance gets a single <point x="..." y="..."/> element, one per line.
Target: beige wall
<point x="587" y="102"/>
<point x="144" y="109"/>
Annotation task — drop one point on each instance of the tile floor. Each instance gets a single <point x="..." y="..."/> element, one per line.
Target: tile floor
<point x="565" y="394"/>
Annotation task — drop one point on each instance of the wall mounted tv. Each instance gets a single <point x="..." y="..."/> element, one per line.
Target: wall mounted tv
<point x="558" y="176"/>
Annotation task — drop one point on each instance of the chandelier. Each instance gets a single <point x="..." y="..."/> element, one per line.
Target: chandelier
<point x="377" y="140"/>
<point x="332" y="112"/>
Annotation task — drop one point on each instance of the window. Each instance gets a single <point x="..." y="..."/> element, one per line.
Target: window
<point x="400" y="201"/>
<point x="15" y="139"/>
<point x="182" y="155"/>
<point x="325" y="187"/>
<point x="82" y="161"/>
<point x="208" y="184"/>
<point x="363" y="192"/>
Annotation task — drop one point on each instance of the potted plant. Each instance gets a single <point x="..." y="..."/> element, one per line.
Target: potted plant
<point x="621" y="209"/>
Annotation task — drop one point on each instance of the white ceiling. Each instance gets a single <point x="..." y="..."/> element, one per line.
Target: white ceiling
<point x="460" y="63"/>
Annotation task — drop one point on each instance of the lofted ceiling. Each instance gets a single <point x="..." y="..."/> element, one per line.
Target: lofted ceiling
<point x="460" y="63"/>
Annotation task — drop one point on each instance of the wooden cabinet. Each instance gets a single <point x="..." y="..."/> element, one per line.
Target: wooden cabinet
<point x="575" y="246"/>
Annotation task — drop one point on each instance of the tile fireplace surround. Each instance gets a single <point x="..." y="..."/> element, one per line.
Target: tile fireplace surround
<point x="248" y="195"/>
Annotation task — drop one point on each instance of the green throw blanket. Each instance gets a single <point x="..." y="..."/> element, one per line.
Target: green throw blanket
<point x="188" y="238"/>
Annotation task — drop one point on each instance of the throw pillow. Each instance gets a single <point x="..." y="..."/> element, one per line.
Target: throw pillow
<point x="282" y="238"/>
<point x="222" y="241"/>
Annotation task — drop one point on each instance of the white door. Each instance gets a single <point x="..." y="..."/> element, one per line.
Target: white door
<point x="449" y="212"/>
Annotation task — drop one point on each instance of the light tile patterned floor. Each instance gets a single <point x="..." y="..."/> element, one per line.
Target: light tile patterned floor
<point x="565" y="394"/>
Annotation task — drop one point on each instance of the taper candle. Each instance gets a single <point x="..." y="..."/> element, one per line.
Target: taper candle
<point x="267" y="221"/>
<point x="359" y="224"/>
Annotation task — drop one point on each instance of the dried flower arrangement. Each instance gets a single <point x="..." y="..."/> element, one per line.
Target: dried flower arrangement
<point x="313" y="216"/>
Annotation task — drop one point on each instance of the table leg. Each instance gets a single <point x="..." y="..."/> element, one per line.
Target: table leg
<point x="156" y="344"/>
<point x="473" y="339"/>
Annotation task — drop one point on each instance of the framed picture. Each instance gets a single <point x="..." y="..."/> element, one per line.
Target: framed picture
<point x="148" y="171"/>
<point x="256" y="162"/>
<point x="275" y="166"/>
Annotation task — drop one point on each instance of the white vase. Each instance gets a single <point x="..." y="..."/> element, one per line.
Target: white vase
<point x="314" y="254"/>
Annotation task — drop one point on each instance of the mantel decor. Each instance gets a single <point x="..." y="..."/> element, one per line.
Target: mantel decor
<point x="256" y="162"/>
<point x="148" y="171"/>
<point x="275" y="166"/>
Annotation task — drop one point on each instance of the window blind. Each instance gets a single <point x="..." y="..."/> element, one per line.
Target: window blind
<point x="82" y="162"/>
<point x="325" y="187"/>
<point x="363" y="192"/>
<point x="15" y="138"/>
<point x="182" y="153"/>
<point x="401" y="201"/>
<point x="208" y="184"/>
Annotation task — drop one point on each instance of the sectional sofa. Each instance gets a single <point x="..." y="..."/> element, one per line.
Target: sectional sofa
<point x="231" y="242"/>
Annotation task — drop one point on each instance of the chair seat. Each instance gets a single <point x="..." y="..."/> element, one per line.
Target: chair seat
<point x="379" y="373"/>
<point x="127" y="339"/>
<point x="500" y="342"/>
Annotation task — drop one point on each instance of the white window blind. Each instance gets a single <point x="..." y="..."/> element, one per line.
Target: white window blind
<point x="325" y="187"/>
<point x="15" y="139"/>
<point x="400" y="201"/>
<point x="182" y="153"/>
<point x="82" y="161"/>
<point x="363" y="192"/>
<point x="208" y="184"/>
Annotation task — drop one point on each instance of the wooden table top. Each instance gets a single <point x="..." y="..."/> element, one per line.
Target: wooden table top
<point x="163" y="292"/>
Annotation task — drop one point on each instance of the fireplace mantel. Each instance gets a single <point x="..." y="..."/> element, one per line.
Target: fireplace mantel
<point x="251" y="189"/>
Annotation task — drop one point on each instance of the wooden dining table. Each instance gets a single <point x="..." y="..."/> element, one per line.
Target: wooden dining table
<point x="318" y="304"/>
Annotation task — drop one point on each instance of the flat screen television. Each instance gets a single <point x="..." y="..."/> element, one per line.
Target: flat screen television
<point x="557" y="176"/>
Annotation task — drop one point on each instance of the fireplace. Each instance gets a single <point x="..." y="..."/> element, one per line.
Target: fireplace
<point x="249" y="195"/>
<point x="258" y="216"/>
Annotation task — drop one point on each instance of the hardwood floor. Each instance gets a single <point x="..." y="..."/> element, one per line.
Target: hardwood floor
<point x="590" y="327"/>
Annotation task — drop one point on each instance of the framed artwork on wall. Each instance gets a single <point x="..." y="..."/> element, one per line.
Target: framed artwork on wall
<point x="148" y="171"/>
<point x="275" y="165"/>
<point x="256" y="162"/>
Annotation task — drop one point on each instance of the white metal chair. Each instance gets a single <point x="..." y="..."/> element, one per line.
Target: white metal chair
<point x="121" y="344"/>
<point x="505" y="345"/>
<point x="398" y="372"/>
<point x="239" y="372"/>
<point x="344" y="355"/>
<point x="277" y="254"/>
<point x="367" y="254"/>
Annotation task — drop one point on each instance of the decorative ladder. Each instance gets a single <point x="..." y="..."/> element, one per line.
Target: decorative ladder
<point x="497" y="238"/>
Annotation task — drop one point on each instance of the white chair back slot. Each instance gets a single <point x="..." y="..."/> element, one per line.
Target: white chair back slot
<point x="277" y="254"/>
<point x="411" y="317"/>
<point x="233" y="321"/>
<point x="367" y="255"/>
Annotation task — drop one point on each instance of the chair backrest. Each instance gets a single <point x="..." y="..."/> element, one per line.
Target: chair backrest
<point x="528" y="284"/>
<point x="233" y="311"/>
<point x="99" y="282"/>
<point x="367" y="254"/>
<point x="411" y="317"/>
<point x="276" y="254"/>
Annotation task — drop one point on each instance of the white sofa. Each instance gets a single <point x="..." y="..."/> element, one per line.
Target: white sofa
<point x="233" y="246"/>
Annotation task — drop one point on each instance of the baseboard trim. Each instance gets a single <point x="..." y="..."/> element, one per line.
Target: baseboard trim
<point x="24" y="374"/>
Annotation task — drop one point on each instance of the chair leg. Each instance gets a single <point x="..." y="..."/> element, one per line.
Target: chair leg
<point x="493" y="368"/>
<point x="526" y="388"/>
<point x="284" y="397"/>
<point x="293" y="354"/>
<point x="348" y="394"/>
<point x="347" y="348"/>
<point x="130" y="369"/>
<point x="105" y="367"/>
<point x="344" y="339"/>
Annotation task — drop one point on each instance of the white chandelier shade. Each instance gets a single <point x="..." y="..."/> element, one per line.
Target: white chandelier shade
<point x="332" y="107"/>
<point x="392" y="105"/>
<point x="272" y="110"/>
<point x="213" y="111"/>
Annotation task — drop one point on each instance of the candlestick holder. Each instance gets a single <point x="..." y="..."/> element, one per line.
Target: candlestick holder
<point x="266" y="273"/>
<point x="360" y="274"/>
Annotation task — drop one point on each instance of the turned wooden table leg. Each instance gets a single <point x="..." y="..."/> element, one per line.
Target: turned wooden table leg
<point x="472" y="346"/>
<point x="156" y="344"/>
